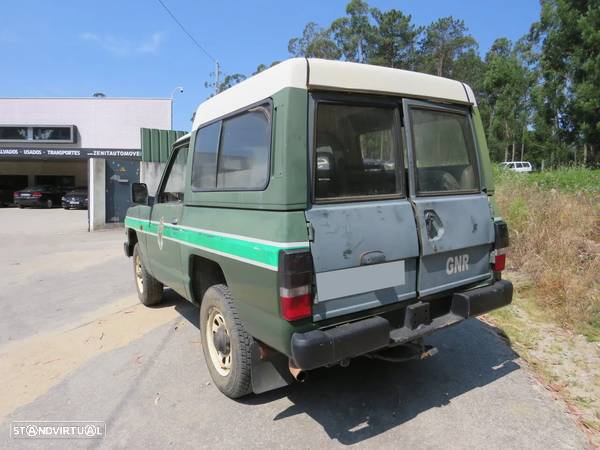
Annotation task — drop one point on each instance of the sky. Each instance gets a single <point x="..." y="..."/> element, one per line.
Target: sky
<point x="132" y="48"/>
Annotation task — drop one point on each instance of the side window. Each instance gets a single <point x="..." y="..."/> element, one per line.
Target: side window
<point x="204" y="167"/>
<point x="174" y="184"/>
<point x="244" y="150"/>
<point x="355" y="151"/>
<point x="444" y="151"/>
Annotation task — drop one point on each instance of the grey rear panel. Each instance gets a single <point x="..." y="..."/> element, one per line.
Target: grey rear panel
<point x="343" y="234"/>
<point x="459" y="253"/>
<point x="456" y="228"/>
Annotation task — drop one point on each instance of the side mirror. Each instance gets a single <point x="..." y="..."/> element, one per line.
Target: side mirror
<point x="139" y="193"/>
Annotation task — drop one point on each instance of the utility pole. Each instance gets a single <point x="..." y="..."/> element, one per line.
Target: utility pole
<point x="217" y="76"/>
<point x="177" y="89"/>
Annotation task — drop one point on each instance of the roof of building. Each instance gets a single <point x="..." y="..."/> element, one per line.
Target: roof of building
<point x="331" y="75"/>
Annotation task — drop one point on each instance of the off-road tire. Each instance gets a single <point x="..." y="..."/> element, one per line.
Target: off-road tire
<point x="151" y="290"/>
<point x="238" y="382"/>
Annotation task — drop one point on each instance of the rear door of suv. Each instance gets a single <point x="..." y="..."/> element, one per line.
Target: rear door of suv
<point x="455" y="222"/>
<point x="364" y="236"/>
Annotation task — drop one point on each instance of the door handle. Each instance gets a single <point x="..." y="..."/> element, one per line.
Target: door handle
<point x="375" y="257"/>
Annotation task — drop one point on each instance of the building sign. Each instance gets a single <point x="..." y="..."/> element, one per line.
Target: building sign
<point x="68" y="153"/>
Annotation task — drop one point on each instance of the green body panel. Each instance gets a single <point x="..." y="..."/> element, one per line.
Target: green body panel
<point x="197" y="229"/>
<point x="165" y="253"/>
<point x="256" y="294"/>
<point x="287" y="188"/>
<point x="487" y="176"/>
<point x="249" y="266"/>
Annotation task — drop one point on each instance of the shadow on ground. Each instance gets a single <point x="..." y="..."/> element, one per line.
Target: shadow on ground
<point x="371" y="397"/>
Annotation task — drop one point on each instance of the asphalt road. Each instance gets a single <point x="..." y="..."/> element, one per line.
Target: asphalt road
<point x="75" y="345"/>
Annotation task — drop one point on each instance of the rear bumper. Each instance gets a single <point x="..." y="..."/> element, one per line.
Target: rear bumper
<point x="319" y="348"/>
<point x="29" y="201"/>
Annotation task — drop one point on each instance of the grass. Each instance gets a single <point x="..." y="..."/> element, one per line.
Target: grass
<point x="554" y="221"/>
<point x="566" y="180"/>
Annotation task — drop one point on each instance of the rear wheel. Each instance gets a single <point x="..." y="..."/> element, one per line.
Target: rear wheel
<point x="225" y="343"/>
<point x="149" y="289"/>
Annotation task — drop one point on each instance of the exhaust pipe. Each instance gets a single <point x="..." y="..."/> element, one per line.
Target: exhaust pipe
<point x="298" y="374"/>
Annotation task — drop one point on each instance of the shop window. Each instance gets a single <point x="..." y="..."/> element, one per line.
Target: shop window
<point x="37" y="133"/>
<point x="8" y="133"/>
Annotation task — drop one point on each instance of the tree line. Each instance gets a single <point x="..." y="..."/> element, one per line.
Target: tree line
<point x="539" y="96"/>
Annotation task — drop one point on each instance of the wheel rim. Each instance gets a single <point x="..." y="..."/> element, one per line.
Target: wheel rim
<point x="138" y="273"/>
<point x="219" y="344"/>
<point x="49" y="203"/>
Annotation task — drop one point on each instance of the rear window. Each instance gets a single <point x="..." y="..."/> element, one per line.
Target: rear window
<point x="355" y="151"/>
<point x="245" y="148"/>
<point x="444" y="151"/>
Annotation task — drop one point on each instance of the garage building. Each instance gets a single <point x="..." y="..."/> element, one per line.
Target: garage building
<point x="71" y="142"/>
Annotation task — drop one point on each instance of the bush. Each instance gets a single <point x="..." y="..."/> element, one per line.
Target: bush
<point x="554" y="220"/>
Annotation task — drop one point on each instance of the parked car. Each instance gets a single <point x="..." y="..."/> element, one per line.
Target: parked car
<point x="45" y="196"/>
<point x="292" y="217"/>
<point x="76" y="198"/>
<point x="518" y="166"/>
<point x="6" y="196"/>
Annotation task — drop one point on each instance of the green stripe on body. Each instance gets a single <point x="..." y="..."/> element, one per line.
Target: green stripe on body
<point x="257" y="253"/>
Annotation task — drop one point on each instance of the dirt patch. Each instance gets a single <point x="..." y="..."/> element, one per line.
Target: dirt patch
<point x="567" y="363"/>
<point x="30" y="367"/>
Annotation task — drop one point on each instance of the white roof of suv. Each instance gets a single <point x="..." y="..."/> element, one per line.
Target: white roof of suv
<point x="331" y="75"/>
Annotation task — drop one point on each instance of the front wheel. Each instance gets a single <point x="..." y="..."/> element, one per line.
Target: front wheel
<point x="226" y="345"/>
<point x="149" y="289"/>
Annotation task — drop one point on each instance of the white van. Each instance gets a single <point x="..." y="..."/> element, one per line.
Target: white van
<point x="517" y="166"/>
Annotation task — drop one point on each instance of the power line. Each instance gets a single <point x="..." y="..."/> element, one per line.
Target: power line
<point x="188" y="33"/>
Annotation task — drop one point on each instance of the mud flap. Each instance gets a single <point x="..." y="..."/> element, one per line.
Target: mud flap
<point x="269" y="372"/>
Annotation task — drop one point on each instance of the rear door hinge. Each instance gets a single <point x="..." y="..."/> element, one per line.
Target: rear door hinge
<point x="311" y="232"/>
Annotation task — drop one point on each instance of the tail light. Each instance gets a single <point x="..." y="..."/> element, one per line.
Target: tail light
<point x="499" y="261"/>
<point x="501" y="243"/>
<point x="36" y="194"/>
<point x="295" y="284"/>
<point x="16" y="194"/>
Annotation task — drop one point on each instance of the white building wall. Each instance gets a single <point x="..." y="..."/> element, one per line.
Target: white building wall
<point x="101" y="122"/>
